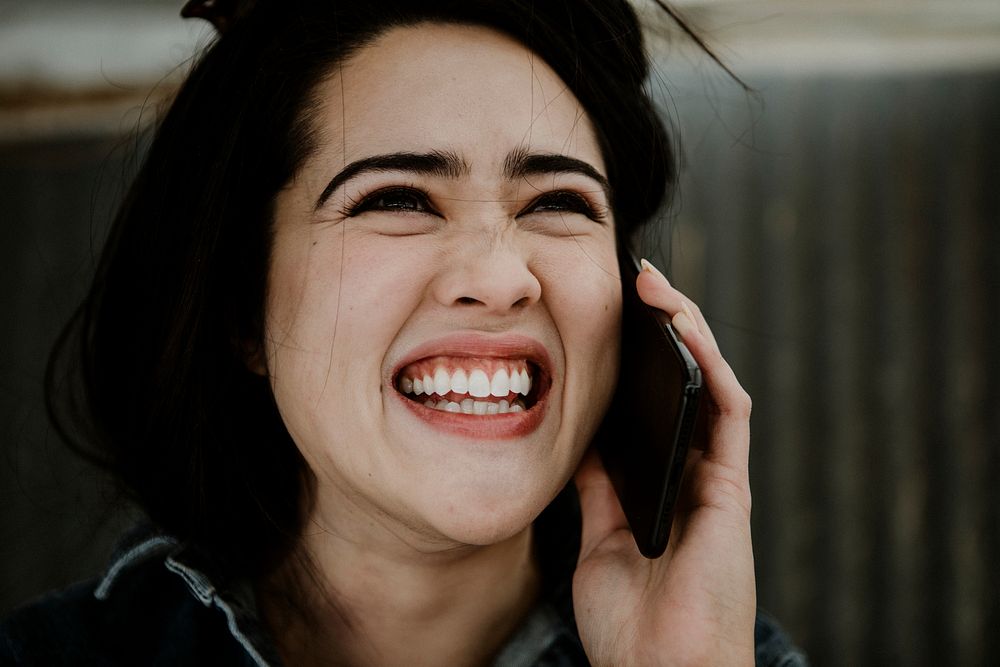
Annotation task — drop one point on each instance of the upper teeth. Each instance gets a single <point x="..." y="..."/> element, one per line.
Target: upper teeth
<point x="475" y="382"/>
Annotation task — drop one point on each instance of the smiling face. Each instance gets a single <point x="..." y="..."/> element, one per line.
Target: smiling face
<point x="443" y="305"/>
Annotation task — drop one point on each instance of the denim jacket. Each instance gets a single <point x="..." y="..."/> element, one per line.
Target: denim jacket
<point x="158" y="604"/>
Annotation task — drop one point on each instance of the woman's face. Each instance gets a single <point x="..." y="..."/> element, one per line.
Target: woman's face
<point x="443" y="303"/>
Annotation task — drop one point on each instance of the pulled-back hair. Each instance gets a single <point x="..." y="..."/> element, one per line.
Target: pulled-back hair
<point x="160" y="392"/>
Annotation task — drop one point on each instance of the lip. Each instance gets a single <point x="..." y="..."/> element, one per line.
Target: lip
<point x="483" y="427"/>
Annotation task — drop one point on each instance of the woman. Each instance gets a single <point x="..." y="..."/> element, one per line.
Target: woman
<point x="351" y="337"/>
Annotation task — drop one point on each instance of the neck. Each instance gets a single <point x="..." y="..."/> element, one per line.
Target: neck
<point x="367" y="604"/>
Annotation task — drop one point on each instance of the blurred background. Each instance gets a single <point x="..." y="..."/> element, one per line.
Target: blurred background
<point x="839" y="223"/>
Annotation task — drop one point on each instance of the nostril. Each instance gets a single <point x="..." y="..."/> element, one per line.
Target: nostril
<point x="470" y="301"/>
<point x="523" y="301"/>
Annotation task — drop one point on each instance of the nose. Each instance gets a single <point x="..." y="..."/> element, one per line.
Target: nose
<point x="494" y="278"/>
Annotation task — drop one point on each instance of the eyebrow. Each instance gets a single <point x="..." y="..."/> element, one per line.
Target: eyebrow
<point x="518" y="164"/>
<point x="434" y="163"/>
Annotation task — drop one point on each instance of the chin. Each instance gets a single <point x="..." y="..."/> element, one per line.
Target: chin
<point x="486" y="513"/>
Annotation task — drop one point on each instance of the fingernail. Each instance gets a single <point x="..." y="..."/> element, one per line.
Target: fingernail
<point x="647" y="266"/>
<point x="684" y="324"/>
<point x="687" y="311"/>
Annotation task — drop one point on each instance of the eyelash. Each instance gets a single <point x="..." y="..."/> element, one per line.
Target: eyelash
<point x="570" y="202"/>
<point x="566" y="201"/>
<point x="368" y="202"/>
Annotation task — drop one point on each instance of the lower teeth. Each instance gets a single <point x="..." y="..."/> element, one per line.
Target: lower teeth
<point x="471" y="407"/>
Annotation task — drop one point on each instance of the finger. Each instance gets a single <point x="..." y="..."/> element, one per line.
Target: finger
<point x="655" y="290"/>
<point x="602" y="513"/>
<point x="727" y="402"/>
<point x="691" y="309"/>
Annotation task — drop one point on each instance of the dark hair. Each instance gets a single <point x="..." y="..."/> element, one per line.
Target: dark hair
<point x="163" y="395"/>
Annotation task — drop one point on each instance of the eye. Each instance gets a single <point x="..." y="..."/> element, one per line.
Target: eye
<point x="562" y="202"/>
<point x="394" y="200"/>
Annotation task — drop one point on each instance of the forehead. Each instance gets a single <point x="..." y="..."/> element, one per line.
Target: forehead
<point x="467" y="89"/>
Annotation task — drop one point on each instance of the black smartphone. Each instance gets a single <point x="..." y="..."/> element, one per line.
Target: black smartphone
<point x="644" y="438"/>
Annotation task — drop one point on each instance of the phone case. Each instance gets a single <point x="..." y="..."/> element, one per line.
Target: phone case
<point x="646" y="434"/>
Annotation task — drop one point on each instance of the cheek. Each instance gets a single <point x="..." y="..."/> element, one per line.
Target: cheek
<point x="323" y="285"/>
<point x="303" y="302"/>
<point x="600" y="337"/>
<point x="307" y="277"/>
<point x="588" y="287"/>
<point x="336" y="300"/>
<point x="586" y="307"/>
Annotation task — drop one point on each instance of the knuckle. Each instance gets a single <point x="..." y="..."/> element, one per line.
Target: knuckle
<point x="731" y="492"/>
<point x="740" y="404"/>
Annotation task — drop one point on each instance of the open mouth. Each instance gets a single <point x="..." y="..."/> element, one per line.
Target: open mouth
<point x="473" y="386"/>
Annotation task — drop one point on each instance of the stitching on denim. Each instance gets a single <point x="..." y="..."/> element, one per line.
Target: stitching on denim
<point x="202" y="588"/>
<point x="195" y="580"/>
<point x="235" y="631"/>
<point x="138" y="553"/>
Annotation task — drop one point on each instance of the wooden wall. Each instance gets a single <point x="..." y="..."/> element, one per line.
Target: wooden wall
<point x="843" y="233"/>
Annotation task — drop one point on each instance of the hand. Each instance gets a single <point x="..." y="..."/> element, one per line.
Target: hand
<point x="696" y="604"/>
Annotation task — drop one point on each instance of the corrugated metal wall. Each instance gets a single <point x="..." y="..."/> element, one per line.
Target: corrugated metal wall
<point x="844" y="236"/>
